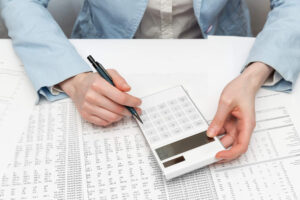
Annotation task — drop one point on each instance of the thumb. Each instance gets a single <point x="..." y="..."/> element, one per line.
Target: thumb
<point x="220" y="117"/>
<point x="119" y="81"/>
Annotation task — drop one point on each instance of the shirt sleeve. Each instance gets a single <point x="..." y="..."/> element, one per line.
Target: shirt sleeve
<point x="278" y="44"/>
<point x="49" y="58"/>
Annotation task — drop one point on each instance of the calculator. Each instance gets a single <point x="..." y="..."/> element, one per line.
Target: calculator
<point x="176" y="132"/>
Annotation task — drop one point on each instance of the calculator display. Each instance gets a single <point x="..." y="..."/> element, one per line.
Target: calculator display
<point x="183" y="145"/>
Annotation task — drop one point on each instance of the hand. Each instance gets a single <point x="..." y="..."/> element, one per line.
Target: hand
<point x="97" y="101"/>
<point x="236" y="111"/>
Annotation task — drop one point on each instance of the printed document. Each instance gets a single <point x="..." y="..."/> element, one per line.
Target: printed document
<point x="60" y="156"/>
<point x="17" y="99"/>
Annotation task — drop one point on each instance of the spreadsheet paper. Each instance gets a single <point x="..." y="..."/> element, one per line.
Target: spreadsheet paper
<point x="17" y="98"/>
<point x="60" y="156"/>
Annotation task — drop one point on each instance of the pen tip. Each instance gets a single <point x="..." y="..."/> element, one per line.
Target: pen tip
<point x="138" y="118"/>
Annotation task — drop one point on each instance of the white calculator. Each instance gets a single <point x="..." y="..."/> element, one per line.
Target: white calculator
<point x="176" y="132"/>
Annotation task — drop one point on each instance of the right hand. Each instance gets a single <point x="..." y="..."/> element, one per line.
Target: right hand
<point x="97" y="101"/>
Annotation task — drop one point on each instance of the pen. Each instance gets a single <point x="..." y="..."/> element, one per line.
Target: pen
<point x="104" y="74"/>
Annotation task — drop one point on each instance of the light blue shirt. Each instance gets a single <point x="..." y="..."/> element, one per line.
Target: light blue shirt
<point x="49" y="58"/>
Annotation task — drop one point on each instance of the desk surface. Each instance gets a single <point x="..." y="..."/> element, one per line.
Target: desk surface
<point x="211" y="63"/>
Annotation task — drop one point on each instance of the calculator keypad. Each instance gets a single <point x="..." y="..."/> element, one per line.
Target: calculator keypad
<point x="174" y="117"/>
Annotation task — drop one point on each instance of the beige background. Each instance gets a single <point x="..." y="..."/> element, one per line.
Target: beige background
<point x="65" y="12"/>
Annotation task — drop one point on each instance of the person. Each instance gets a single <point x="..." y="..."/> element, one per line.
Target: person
<point x="274" y="60"/>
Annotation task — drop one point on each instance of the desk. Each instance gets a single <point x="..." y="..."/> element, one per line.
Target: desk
<point x="207" y="64"/>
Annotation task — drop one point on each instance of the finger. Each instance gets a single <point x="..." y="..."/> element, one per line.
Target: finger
<point x="119" y="81"/>
<point x="97" y="121"/>
<point x="114" y="94"/>
<point x="224" y="161"/>
<point x="229" y="137"/>
<point x="96" y="99"/>
<point x="222" y="113"/>
<point x="138" y="110"/>
<point x="222" y="131"/>
<point x="231" y="153"/>
<point x="227" y="140"/>
<point x="221" y="162"/>
<point x="101" y="113"/>
<point x="107" y="115"/>
<point x="242" y="142"/>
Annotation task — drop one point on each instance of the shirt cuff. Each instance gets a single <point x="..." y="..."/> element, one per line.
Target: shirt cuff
<point x="276" y="81"/>
<point x="273" y="79"/>
<point x="55" y="90"/>
<point x="45" y="92"/>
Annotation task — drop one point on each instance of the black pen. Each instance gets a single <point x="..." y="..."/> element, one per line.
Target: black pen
<point x="104" y="74"/>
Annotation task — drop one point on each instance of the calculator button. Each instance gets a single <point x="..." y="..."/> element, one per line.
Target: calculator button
<point x="183" y="99"/>
<point x="176" y="131"/>
<point x="183" y="120"/>
<point x="150" y="132"/>
<point x="190" y="110"/>
<point x="186" y="105"/>
<point x="162" y="106"/>
<point x="151" y="109"/>
<point x="172" y="124"/>
<point x="198" y="123"/>
<point x="154" y="116"/>
<point x="178" y="114"/>
<point x="172" y="102"/>
<point x="169" y="117"/>
<point x="147" y="125"/>
<point x="158" y="122"/>
<point x="164" y="135"/>
<point x="154" y="138"/>
<point x="162" y="128"/>
<point x="174" y="108"/>
<point x="195" y="116"/>
<point x="165" y="112"/>
<point x="145" y="118"/>
<point x="187" y="127"/>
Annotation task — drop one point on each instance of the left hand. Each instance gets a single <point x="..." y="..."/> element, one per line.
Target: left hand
<point x="236" y="111"/>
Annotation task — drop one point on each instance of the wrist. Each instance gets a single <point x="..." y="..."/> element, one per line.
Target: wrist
<point x="256" y="74"/>
<point x="69" y="85"/>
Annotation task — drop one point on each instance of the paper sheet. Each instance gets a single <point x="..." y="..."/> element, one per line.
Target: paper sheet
<point x="270" y="167"/>
<point x="62" y="157"/>
<point x="17" y="99"/>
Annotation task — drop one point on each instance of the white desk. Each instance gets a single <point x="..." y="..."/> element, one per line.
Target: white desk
<point x="207" y="64"/>
<point x="211" y="63"/>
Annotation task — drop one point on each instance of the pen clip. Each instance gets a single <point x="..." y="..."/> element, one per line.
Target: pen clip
<point x="104" y="70"/>
<point x="97" y="65"/>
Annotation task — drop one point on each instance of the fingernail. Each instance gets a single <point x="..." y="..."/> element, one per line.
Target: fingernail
<point x="140" y="102"/>
<point x="210" y="132"/>
<point x="125" y="85"/>
<point x="218" y="156"/>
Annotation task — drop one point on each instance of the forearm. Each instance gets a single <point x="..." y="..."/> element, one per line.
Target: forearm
<point x="278" y="44"/>
<point x="256" y="74"/>
<point x="46" y="53"/>
<point x="69" y="85"/>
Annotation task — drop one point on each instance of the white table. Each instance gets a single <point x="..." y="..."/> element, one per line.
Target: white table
<point x="211" y="63"/>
